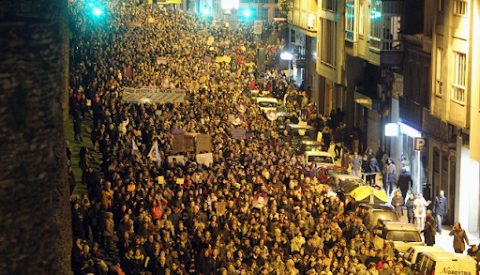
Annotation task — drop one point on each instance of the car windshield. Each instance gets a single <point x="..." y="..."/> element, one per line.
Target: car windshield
<point x="403" y="236"/>
<point x="322" y="159"/>
<point x="313" y="148"/>
<point x="329" y="172"/>
<point x="267" y="104"/>
<point x="302" y="132"/>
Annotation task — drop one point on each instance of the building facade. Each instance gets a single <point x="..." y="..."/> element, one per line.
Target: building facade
<point x="397" y="63"/>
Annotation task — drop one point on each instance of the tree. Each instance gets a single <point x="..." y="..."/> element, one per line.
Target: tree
<point x="35" y="228"/>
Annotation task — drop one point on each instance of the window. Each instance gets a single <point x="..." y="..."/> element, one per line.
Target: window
<point x="376" y="25"/>
<point x="438" y="72"/>
<point x="361" y="19"/>
<point x="459" y="75"/>
<point x="327" y="45"/>
<point x="460" y="7"/>
<point x="330" y="5"/>
<point x="350" y="31"/>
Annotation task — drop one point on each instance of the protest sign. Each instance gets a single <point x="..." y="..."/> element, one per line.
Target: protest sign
<point x="177" y="160"/>
<point x="205" y="159"/>
<point x="204" y="143"/>
<point x="238" y="133"/>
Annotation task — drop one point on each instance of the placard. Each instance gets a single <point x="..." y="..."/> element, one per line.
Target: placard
<point x="238" y="133"/>
<point x="180" y="181"/>
<point x="161" y="179"/>
<point x="177" y="160"/>
<point x="178" y="132"/>
<point x="204" y="143"/>
<point x="220" y="207"/>
<point x="205" y="159"/>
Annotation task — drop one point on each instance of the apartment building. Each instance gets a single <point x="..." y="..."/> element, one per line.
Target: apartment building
<point x="407" y="72"/>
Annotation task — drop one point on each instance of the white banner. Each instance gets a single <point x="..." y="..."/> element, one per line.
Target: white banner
<point x="152" y="95"/>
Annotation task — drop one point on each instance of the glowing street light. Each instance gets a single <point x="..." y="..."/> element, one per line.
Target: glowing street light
<point x="97" y="11"/>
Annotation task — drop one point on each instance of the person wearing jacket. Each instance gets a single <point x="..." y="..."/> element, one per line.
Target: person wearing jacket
<point x="459" y="238"/>
<point x="410" y="204"/>
<point x="440" y="209"/>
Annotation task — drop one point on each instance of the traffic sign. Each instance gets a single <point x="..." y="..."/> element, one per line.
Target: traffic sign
<point x="420" y="144"/>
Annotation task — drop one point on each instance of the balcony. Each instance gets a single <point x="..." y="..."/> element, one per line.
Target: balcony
<point x="303" y="20"/>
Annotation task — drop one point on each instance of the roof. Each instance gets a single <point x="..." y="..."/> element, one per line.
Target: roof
<point x="425" y="248"/>
<point x="318" y="153"/>
<point x="267" y="99"/>
<point x="311" y="142"/>
<point x="400" y="226"/>
<point x="347" y="177"/>
<point x="331" y="167"/>
<point x="296" y="126"/>
<point x="447" y="256"/>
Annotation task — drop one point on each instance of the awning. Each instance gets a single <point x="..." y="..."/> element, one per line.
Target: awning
<point x="365" y="101"/>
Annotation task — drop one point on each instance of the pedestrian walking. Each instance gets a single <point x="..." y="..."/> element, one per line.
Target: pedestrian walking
<point x="420" y="211"/>
<point x="410" y="204"/>
<point x="391" y="172"/>
<point x="398" y="203"/>
<point x="77" y="126"/>
<point x="404" y="182"/>
<point x="459" y="238"/>
<point x="356" y="164"/>
<point x="440" y="209"/>
<point x="429" y="230"/>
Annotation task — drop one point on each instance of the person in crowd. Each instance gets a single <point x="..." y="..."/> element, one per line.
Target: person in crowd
<point x="404" y="182"/>
<point x="356" y="164"/>
<point x="440" y="209"/>
<point x="420" y="211"/>
<point x="398" y="202"/>
<point x="429" y="231"/>
<point x="391" y="173"/>
<point x="459" y="238"/>
<point x="410" y="205"/>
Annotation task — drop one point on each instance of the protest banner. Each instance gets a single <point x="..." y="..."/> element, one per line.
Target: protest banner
<point x="153" y="95"/>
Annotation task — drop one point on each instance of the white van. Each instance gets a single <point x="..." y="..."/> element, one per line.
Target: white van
<point x="403" y="235"/>
<point x="445" y="263"/>
<point x="414" y="253"/>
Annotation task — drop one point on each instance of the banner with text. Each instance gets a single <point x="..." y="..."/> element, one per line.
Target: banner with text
<point x="152" y="95"/>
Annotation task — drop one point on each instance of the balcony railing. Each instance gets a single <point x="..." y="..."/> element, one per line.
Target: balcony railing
<point x="385" y="44"/>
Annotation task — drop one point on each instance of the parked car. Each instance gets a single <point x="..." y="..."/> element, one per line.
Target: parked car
<point x="446" y="263"/>
<point x="323" y="173"/>
<point x="267" y="103"/>
<point x="413" y="255"/>
<point x="284" y="118"/>
<point x="371" y="213"/>
<point x="344" y="183"/>
<point x="296" y="133"/>
<point x="403" y="235"/>
<point x="319" y="157"/>
<point x="310" y="145"/>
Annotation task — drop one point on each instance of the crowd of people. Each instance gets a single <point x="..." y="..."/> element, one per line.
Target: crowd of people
<point x="251" y="210"/>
